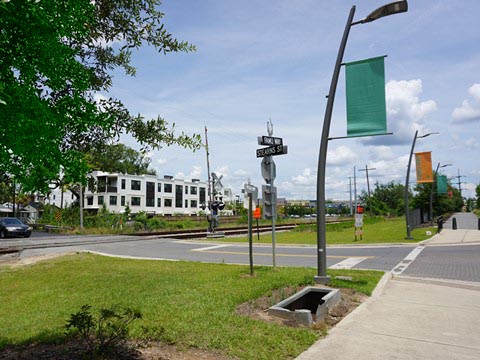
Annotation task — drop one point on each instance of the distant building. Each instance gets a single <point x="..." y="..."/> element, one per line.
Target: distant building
<point x="161" y="196"/>
<point x="167" y="196"/>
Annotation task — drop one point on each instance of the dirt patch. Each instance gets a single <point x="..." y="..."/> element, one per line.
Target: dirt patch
<point x="257" y="309"/>
<point x="17" y="262"/>
<point x="76" y="351"/>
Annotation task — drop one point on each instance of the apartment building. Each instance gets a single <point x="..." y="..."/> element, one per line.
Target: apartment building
<point x="149" y="193"/>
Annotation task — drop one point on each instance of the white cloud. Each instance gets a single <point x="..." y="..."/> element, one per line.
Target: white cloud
<point x="405" y="112"/>
<point x="342" y="155"/>
<point x="306" y="179"/>
<point x="162" y="161"/>
<point x="470" y="109"/>
<point x="194" y="174"/>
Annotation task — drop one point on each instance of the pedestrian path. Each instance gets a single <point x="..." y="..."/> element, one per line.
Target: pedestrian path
<point x="464" y="220"/>
<point x="408" y="318"/>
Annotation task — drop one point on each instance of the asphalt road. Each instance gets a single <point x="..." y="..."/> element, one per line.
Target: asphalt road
<point x="458" y="262"/>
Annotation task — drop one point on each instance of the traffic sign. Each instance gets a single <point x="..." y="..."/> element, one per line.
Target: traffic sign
<point x="269" y="169"/>
<point x="269" y="140"/>
<point x="249" y="189"/>
<point x="272" y="151"/>
<point x="358" y="220"/>
<point x="256" y="213"/>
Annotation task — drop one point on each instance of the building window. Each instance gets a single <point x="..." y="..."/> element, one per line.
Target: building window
<point x="100" y="200"/>
<point x="113" y="200"/>
<point x="178" y="196"/>
<point x="122" y="201"/>
<point x="167" y="188"/>
<point x="202" y="196"/>
<point x="186" y="203"/>
<point x="193" y="204"/>
<point x="150" y="194"/>
<point x="124" y="184"/>
<point x="159" y="202"/>
<point x="193" y="190"/>
<point x="135" y="185"/>
<point x="135" y="201"/>
<point x="89" y="200"/>
<point x="167" y="202"/>
<point x="186" y="190"/>
<point x="159" y="187"/>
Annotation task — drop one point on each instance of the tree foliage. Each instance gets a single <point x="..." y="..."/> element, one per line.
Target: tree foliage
<point x="477" y="193"/>
<point x="119" y="158"/>
<point x="55" y="56"/>
<point x="386" y="199"/>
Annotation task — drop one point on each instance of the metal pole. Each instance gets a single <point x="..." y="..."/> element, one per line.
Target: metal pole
<point x="351" y="205"/>
<point x="368" y="188"/>
<point x="14" y="195"/>
<point x="210" y="192"/>
<point x="407" y="179"/>
<point x="355" y="187"/>
<point x="322" y="277"/>
<point x="250" y="246"/>
<point x="81" y="206"/>
<point x="431" y="195"/>
<point x="274" y="213"/>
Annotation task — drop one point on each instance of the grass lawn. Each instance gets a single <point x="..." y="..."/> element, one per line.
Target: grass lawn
<point x="194" y="303"/>
<point x="388" y="231"/>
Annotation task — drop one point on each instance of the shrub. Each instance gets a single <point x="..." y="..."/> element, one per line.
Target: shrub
<point x="105" y="335"/>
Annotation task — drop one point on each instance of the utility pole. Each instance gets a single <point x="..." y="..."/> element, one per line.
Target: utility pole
<point x="209" y="182"/>
<point x="368" y="187"/>
<point x="459" y="181"/>
<point x="355" y="187"/>
<point x="351" y="205"/>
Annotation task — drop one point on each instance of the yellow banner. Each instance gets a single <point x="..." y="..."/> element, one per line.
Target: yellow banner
<point x="423" y="162"/>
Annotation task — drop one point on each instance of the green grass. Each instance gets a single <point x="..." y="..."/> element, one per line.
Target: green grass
<point x="388" y="231"/>
<point x="193" y="302"/>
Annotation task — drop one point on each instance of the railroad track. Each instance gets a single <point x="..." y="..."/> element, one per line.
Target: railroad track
<point x="197" y="234"/>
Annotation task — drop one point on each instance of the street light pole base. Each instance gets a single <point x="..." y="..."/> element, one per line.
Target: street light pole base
<point x="322" y="280"/>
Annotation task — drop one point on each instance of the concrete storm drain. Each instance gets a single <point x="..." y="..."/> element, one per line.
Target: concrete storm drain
<point x="308" y="306"/>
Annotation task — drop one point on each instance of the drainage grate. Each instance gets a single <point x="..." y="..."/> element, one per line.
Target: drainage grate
<point x="307" y="306"/>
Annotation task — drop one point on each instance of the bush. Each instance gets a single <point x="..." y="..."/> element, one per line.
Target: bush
<point x="156" y="223"/>
<point x="105" y="335"/>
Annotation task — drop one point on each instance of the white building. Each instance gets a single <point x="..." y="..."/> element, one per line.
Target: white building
<point x="163" y="196"/>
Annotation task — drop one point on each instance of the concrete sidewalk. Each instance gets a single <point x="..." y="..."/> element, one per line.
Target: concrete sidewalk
<point x="460" y="236"/>
<point x="408" y="318"/>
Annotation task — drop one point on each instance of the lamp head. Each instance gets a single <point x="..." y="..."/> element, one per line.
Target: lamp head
<point x="392" y="8"/>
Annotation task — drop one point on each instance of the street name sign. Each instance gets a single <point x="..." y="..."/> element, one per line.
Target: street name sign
<point x="272" y="151"/>
<point x="269" y="140"/>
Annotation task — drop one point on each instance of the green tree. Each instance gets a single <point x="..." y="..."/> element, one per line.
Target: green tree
<point x="386" y="199"/>
<point x="119" y="158"/>
<point x="477" y="193"/>
<point x="54" y="56"/>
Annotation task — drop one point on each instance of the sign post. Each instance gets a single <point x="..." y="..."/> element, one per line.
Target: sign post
<point x="251" y="193"/>
<point x="274" y="147"/>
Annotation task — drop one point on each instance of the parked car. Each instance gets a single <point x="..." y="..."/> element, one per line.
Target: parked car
<point x="14" y="227"/>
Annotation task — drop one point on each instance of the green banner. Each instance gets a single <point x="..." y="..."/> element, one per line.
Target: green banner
<point x="442" y="184"/>
<point x="365" y="87"/>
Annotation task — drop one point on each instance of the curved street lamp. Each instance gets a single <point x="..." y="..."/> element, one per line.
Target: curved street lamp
<point x="386" y="10"/>
<point x="407" y="178"/>
<point x="431" y="190"/>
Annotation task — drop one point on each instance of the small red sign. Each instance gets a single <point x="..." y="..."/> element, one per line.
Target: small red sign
<point x="256" y="213"/>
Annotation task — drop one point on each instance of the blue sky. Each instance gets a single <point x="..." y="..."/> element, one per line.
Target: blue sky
<point x="273" y="59"/>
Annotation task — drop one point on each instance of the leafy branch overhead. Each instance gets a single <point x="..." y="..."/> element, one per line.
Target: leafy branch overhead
<point x="55" y="56"/>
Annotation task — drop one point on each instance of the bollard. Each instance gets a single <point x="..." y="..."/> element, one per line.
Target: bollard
<point x="478" y="223"/>
<point x="454" y="224"/>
